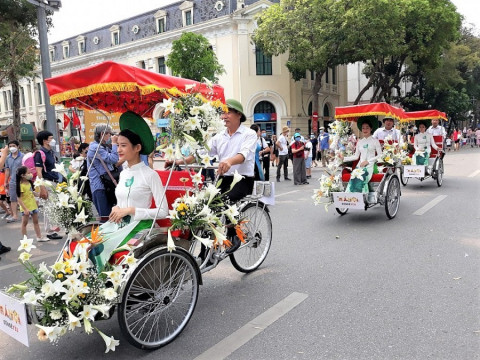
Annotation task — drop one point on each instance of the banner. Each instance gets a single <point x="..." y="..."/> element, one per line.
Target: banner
<point x="13" y="318"/>
<point x="347" y="200"/>
<point x="94" y="118"/>
<point x="415" y="171"/>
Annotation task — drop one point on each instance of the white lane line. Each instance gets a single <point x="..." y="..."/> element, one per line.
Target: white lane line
<point x="475" y="173"/>
<point x="430" y="205"/>
<point x="289" y="192"/>
<point x="34" y="258"/>
<point x="234" y="341"/>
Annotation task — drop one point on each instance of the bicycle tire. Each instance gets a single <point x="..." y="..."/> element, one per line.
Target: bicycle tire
<point x="258" y="238"/>
<point x="159" y="298"/>
<point x="392" y="197"/>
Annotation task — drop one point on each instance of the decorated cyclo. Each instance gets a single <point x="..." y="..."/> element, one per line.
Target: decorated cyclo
<point x="152" y="278"/>
<point x="364" y="172"/>
<point x="427" y="149"/>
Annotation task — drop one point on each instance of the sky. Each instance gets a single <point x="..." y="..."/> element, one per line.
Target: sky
<point x="76" y="17"/>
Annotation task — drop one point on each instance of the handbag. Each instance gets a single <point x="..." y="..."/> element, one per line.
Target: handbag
<point x="110" y="180"/>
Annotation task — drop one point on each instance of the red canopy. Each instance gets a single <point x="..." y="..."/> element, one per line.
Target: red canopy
<point x="351" y="113"/>
<point x="115" y="87"/>
<point x="425" y="114"/>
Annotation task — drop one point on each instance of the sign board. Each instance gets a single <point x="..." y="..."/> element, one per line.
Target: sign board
<point x="13" y="318"/>
<point x="415" y="171"/>
<point x="289" y="123"/>
<point x="163" y="123"/>
<point x="267" y="189"/>
<point x="348" y="200"/>
<point x="93" y="118"/>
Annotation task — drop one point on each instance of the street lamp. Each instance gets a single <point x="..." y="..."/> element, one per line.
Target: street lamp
<point x="42" y="6"/>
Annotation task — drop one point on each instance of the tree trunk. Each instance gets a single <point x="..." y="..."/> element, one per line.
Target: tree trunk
<point x="315" y="90"/>
<point x="15" y="107"/>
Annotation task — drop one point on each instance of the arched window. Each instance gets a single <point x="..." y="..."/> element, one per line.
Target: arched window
<point x="326" y="111"/>
<point x="310" y="109"/>
<point x="264" y="107"/>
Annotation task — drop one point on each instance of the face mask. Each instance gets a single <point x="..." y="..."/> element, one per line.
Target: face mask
<point x="13" y="149"/>
<point x="28" y="176"/>
<point x="264" y="135"/>
<point x="297" y="139"/>
<point x="52" y="143"/>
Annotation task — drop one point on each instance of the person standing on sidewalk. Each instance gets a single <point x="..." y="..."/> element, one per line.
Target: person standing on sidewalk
<point x="267" y="151"/>
<point x="45" y="171"/>
<point x="299" y="172"/>
<point x="282" y="144"/>
<point x="14" y="161"/>
<point x="323" y="145"/>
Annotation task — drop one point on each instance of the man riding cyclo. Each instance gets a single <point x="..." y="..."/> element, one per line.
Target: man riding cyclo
<point x="388" y="131"/>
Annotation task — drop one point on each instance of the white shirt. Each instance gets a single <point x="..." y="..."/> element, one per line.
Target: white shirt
<point x="368" y="149"/>
<point x="243" y="141"/>
<point x="308" y="148"/>
<point x="77" y="162"/>
<point x="283" y="143"/>
<point x="146" y="184"/>
<point x="382" y="133"/>
<point x="423" y="141"/>
<point x="437" y="131"/>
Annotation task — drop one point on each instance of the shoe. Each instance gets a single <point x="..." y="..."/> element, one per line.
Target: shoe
<point x="6" y="216"/>
<point x="288" y="179"/>
<point x="54" y="236"/>
<point x="11" y="220"/>
<point x="309" y="176"/>
<point x="278" y="179"/>
<point x="4" y="249"/>
<point x="43" y="239"/>
<point x="305" y="183"/>
<point x="235" y="245"/>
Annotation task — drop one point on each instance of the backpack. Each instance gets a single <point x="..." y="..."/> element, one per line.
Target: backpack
<point x="29" y="161"/>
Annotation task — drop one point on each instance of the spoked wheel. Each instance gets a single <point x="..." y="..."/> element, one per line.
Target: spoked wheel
<point x="439" y="171"/>
<point x="159" y="299"/>
<point x="392" y="197"/>
<point x="342" y="211"/>
<point x="403" y="179"/>
<point x="258" y="238"/>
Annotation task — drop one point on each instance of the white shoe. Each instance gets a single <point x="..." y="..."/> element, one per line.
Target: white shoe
<point x="43" y="239"/>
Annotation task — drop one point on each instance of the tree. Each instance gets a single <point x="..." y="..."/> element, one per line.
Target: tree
<point x="192" y="57"/>
<point x="18" y="52"/>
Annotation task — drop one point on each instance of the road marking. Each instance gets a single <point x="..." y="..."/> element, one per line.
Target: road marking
<point x="247" y="332"/>
<point x="430" y="205"/>
<point x="288" y="192"/>
<point x="35" y="258"/>
<point x="475" y="173"/>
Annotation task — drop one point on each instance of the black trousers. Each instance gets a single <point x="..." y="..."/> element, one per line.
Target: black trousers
<point x="266" y="167"/>
<point x="241" y="189"/>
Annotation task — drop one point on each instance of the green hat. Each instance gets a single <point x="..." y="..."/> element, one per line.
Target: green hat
<point x="136" y="124"/>
<point x="426" y="122"/>
<point x="234" y="104"/>
<point x="371" y="120"/>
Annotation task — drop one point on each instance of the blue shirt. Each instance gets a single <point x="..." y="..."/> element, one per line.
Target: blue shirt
<point x="49" y="174"/>
<point x="109" y="156"/>
<point x="13" y="164"/>
<point x="323" y="139"/>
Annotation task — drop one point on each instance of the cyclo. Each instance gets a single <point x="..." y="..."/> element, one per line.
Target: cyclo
<point x="384" y="185"/>
<point x="435" y="168"/>
<point x="158" y="296"/>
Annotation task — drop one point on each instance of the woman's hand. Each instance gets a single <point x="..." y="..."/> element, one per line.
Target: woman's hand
<point x="118" y="213"/>
<point x="364" y="163"/>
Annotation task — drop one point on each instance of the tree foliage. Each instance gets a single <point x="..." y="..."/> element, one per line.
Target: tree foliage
<point x="192" y="57"/>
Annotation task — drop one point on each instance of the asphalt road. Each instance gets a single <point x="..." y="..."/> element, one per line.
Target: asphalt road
<point x="353" y="287"/>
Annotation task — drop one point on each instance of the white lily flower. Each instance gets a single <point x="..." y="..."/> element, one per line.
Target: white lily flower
<point x="63" y="200"/>
<point x="81" y="217"/>
<point x="192" y="123"/>
<point x="103" y="308"/>
<point x="189" y="87"/>
<point x="212" y="191"/>
<point x="168" y="104"/>
<point x="170" y="243"/>
<point x="56" y="314"/>
<point x="206" y="158"/>
<point x="236" y="178"/>
<point x="88" y="312"/>
<point x="87" y="326"/>
<point x="357" y="173"/>
<point x="58" y="287"/>
<point x="197" y="178"/>
<point x="129" y="260"/>
<point x="205" y="212"/>
<point x="47" y="289"/>
<point x="31" y="297"/>
<point x="41" y="182"/>
<point x="26" y="244"/>
<point x="60" y="168"/>
<point x="24" y="256"/>
<point x="58" y="266"/>
<point x="52" y="332"/>
<point x="205" y="241"/>
<point x="169" y="152"/>
<point x="73" y="191"/>
<point x="73" y="321"/>
<point x="195" y="110"/>
<point x="70" y="295"/>
<point x="232" y="212"/>
<point x="110" y="342"/>
<point x="219" y="234"/>
<point x="42" y="268"/>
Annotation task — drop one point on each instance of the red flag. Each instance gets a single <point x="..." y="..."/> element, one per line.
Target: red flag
<point x="76" y="120"/>
<point x="66" y="120"/>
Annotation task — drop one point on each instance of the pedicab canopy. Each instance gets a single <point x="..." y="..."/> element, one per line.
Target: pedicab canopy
<point x="117" y="88"/>
<point x="352" y="113"/>
<point x="425" y="115"/>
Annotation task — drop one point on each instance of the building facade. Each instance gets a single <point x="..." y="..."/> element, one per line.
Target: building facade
<point x="262" y="83"/>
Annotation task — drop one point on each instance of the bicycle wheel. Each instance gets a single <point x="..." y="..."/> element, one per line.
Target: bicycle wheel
<point x="159" y="299"/>
<point x="403" y="179"/>
<point x="342" y="211"/>
<point x="258" y="238"/>
<point x="392" y="198"/>
<point x="439" y="172"/>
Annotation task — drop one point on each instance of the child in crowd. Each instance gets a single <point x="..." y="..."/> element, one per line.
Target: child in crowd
<point x="449" y="143"/>
<point x="27" y="202"/>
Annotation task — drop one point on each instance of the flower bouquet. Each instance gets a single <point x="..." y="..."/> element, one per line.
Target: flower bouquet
<point x="202" y="211"/>
<point x="393" y="153"/>
<point x="70" y="294"/>
<point x="193" y="121"/>
<point x="65" y="207"/>
<point x="329" y="183"/>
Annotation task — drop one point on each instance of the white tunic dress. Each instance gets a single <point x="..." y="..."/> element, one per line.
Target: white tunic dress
<point x="422" y="143"/>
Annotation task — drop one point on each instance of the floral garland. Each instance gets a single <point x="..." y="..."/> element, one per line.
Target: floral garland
<point x="70" y="294"/>
<point x="65" y="206"/>
<point x="201" y="211"/>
